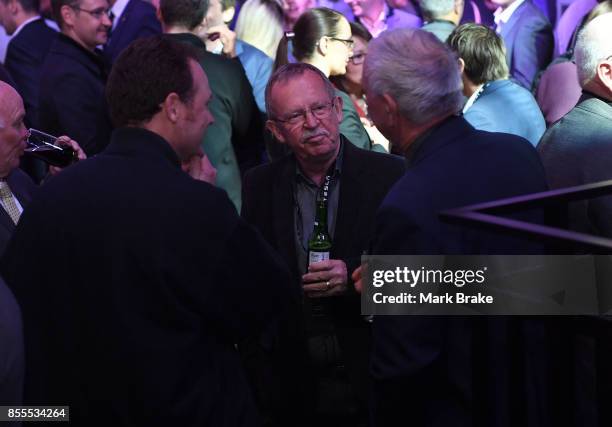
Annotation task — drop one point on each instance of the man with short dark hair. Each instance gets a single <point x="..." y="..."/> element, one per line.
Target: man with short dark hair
<point x="234" y="144"/>
<point x="30" y="42"/>
<point x="139" y="327"/>
<point x="427" y="365"/>
<point x="74" y="74"/>
<point x="322" y="376"/>
<point x="495" y="103"/>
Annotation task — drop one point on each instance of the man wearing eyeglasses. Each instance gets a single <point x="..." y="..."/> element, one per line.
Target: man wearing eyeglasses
<point x="74" y="75"/>
<point x="319" y="367"/>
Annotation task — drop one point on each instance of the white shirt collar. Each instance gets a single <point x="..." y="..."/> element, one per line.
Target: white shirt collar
<point x="503" y="16"/>
<point x="24" y="23"/>
<point x="380" y="25"/>
<point x="117" y="10"/>
<point x="473" y="98"/>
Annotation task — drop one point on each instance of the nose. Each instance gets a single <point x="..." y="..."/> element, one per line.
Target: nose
<point x="310" y="121"/>
<point x="106" y="20"/>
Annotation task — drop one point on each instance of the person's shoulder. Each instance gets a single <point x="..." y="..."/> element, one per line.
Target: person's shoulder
<point x="531" y="16"/>
<point x="401" y="19"/>
<point x="268" y="172"/>
<point x="143" y="8"/>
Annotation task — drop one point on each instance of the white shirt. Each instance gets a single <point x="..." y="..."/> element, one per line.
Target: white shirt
<point x="24" y="23"/>
<point x="117" y="10"/>
<point x="502" y="16"/>
<point x="472" y="98"/>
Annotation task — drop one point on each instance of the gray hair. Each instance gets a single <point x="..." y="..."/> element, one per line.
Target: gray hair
<point x="434" y="9"/>
<point x="291" y="71"/>
<point x="417" y="70"/>
<point x="594" y="45"/>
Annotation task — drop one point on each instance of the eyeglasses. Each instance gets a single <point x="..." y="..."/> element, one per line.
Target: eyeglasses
<point x="298" y="118"/>
<point x="96" y="13"/>
<point x="348" y="42"/>
<point x="358" y="58"/>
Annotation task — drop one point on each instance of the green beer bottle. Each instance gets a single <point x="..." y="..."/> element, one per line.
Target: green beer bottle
<point x="319" y="243"/>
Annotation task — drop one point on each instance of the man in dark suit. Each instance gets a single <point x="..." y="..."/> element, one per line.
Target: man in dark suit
<point x="427" y="367"/>
<point x="27" y="49"/>
<point x="528" y="36"/>
<point x="74" y="74"/>
<point x="280" y="199"/>
<point x="139" y="327"/>
<point x="16" y="187"/>
<point x="132" y="19"/>
<point x="494" y="104"/>
<point x="577" y="149"/>
<point x="234" y="144"/>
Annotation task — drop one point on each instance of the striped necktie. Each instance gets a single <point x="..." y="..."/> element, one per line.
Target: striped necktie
<point x="8" y="201"/>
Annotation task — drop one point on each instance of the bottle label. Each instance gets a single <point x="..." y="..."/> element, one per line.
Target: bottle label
<point x="314" y="256"/>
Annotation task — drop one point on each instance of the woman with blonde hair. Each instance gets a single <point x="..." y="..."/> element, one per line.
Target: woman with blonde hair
<point x="260" y="23"/>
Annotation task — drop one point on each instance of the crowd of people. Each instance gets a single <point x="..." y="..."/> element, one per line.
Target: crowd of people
<point x="166" y="278"/>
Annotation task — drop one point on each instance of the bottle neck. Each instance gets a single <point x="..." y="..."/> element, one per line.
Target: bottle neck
<point x="321" y="215"/>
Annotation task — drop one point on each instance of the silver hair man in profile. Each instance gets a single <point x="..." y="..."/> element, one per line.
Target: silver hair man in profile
<point x="424" y="364"/>
<point x="441" y="16"/>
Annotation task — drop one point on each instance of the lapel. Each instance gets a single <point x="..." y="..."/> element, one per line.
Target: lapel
<point x="508" y="31"/>
<point x="283" y="212"/>
<point x="115" y="35"/>
<point x="352" y="188"/>
<point x="5" y="221"/>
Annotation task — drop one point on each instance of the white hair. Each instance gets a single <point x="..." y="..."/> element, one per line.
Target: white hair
<point x="417" y="70"/>
<point x="260" y="24"/>
<point x="434" y="9"/>
<point x="594" y="45"/>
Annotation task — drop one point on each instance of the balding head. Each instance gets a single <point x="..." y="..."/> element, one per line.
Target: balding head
<point x="593" y="56"/>
<point x="12" y="130"/>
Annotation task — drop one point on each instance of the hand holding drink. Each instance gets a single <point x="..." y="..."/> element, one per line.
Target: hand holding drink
<point x="59" y="152"/>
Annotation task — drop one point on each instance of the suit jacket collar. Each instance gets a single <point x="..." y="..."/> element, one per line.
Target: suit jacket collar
<point x="189" y="39"/>
<point x="351" y="185"/>
<point x="94" y="61"/>
<point x="120" y="18"/>
<point x="595" y="104"/>
<point x="445" y="133"/>
<point x="139" y="142"/>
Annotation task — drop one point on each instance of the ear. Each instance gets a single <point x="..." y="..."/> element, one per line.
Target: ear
<point x="323" y="47"/>
<point x="13" y="6"/>
<point x="272" y="126"/>
<point x="172" y="106"/>
<point x="338" y="104"/>
<point x="68" y="15"/>
<point x="604" y="74"/>
<point x="461" y="65"/>
<point x="391" y="107"/>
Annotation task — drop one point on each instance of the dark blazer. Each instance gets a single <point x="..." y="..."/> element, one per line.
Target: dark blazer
<point x="529" y="43"/>
<point x="577" y="150"/>
<point x="25" y="55"/>
<point x="138" y="20"/>
<point x="453" y="371"/>
<point x="268" y="204"/>
<point x="504" y="106"/>
<point x="234" y="143"/>
<point x="148" y="279"/>
<point x="23" y="188"/>
<point x="6" y="77"/>
<point x="71" y="99"/>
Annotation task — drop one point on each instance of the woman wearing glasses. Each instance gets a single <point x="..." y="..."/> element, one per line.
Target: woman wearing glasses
<point x="350" y="82"/>
<point x="322" y="37"/>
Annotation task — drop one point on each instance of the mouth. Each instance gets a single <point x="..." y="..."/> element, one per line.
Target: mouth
<point x="315" y="139"/>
